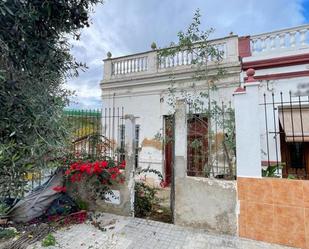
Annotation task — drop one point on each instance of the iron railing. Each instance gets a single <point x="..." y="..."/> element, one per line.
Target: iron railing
<point x="94" y="132"/>
<point x="211" y="141"/>
<point x="285" y="134"/>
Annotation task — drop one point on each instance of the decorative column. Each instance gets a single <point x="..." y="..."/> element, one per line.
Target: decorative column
<point x="248" y="141"/>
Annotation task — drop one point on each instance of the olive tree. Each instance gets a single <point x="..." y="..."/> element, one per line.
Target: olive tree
<point x="35" y="61"/>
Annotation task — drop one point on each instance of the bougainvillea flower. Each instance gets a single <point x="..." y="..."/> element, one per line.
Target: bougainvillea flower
<point x="89" y="168"/>
<point x="122" y="165"/>
<point x="74" y="166"/>
<point x="59" y="189"/>
<point x="114" y="170"/>
<point x="79" y="176"/>
<point x="113" y="176"/>
<point x="163" y="184"/>
<point x="83" y="167"/>
<point x="97" y="168"/>
<point x="104" y="164"/>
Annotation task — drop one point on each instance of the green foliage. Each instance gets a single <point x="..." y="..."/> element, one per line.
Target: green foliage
<point x="201" y="100"/>
<point x="271" y="171"/>
<point x="8" y="233"/>
<point x="144" y="199"/>
<point x="35" y="60"/>
<point x="49" y="240"/>
<point x="292" y="177"/>
<point x="150" y="170"/>
<point x="196" y="42"/>
<point x="3" y="208"/>
<point x="82" y="205"/>
<point x="145" y="195"/>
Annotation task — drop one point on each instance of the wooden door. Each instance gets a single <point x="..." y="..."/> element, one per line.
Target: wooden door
<point x="197" y="147"/>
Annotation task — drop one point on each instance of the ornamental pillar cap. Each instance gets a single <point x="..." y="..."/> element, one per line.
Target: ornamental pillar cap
<point x="250" y="74"/>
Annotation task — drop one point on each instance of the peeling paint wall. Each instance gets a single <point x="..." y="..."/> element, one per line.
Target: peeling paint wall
<point x="149" y="102"/>
<point x="86" y="193"/>
<point x="206" y="204"/>
<point x="200" y="202"/>
<point x="154" y="143"/>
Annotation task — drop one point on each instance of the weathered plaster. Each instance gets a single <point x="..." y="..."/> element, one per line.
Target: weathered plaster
<point x="154" y="143"/>
<point x="206" y="204"/>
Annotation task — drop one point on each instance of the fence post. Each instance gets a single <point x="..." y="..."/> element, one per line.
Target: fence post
<point x="180" y="164"/>
<point x="248" y="141"/>
<point x="130" y="157"/>
<point x="153" y="61"/>
<point x="107" y="69"/>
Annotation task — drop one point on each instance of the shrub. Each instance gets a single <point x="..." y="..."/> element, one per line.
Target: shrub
<point x="49" y="240"/>
<point x="8" y="233"/>
<point x="144" y="199"/>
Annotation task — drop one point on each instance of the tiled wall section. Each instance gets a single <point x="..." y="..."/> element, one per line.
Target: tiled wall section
<point x="274" y="210"/>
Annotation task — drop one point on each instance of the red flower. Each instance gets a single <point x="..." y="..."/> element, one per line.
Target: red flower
<point x="73" y="178"/>
<point x="59" y="189"/>
<point x="122" y="165"/>
<point x="114" y="170"/>
<point x="83" y="167"/>
<point x="163" y="184"/>
<point x="79" y="177"/>
<point x="97" y="168"/>
<point x="67" y="172"/>
<point x="113" y="176"/>
<point x="88" y="168"/>
<point x="74" y="166"/>
<point x="104" y="181"/>
<point x="104" y="164"/>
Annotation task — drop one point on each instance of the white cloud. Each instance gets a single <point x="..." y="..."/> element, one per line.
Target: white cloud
<point x="129" y="26"/>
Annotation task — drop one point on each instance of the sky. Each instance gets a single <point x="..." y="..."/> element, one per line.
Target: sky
<point x="130" y="26"/>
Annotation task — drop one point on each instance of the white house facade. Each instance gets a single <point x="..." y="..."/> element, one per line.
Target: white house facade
<point x="141" y="83"/>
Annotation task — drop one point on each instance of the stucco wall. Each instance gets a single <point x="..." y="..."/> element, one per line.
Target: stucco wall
<point x="207" y="204"/>
<point x="149" y="104"/>
<point x="85" y="192"/>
